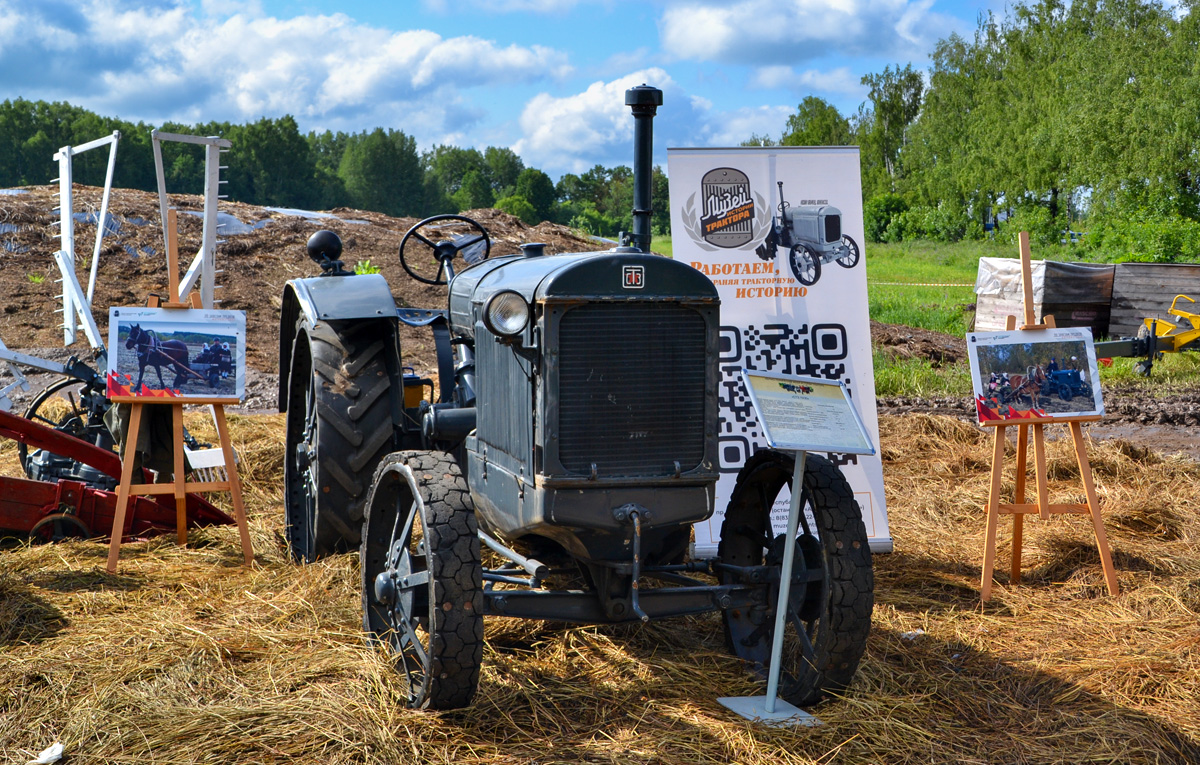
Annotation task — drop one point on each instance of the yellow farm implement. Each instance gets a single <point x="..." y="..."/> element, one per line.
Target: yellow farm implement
<point x="1156" y="337"/>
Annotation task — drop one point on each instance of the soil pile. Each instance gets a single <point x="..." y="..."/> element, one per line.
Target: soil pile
<point x="261" y="248"/>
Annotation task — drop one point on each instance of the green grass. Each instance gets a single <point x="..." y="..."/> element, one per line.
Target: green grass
<point x="1173" y="373"/>
<point x="897" y="275"/>
<point x="916" y="377"/>
<point x="912" y="262"/>
<point x="662" y="245"/>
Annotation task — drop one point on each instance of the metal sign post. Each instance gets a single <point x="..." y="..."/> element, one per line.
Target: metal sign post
<point x="797" y="414"/>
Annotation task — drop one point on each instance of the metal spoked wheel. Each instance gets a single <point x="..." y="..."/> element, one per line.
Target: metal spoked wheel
<point x="831" y="596"/>
<point x="422" y="580"/>
<point x="64" y="407"/>
<point x="57" y="527"/>
<point x="850" y="259"/>
<point x="805" y="265"/>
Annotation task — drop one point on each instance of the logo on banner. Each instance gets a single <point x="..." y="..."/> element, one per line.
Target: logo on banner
<point x="633" y="277"/>
<point x="729" y="211"/>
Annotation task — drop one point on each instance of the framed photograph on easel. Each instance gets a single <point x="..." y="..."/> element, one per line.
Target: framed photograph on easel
<point x="157" y="353"/>
<point x="1047" y="373"/>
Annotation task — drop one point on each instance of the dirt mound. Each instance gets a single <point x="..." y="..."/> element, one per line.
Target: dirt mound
<point x="903" y="342"/>
<point x="261" y="249"/>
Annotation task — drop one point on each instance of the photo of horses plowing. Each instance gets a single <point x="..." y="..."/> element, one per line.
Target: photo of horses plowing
<point x="186" y="656"/>
<point x="149" y="360"/>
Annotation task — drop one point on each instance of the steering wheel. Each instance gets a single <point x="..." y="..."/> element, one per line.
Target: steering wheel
<point x="444" y="251"/>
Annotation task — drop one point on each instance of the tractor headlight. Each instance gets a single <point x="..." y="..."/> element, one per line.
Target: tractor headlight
<point x="506" y="314"/>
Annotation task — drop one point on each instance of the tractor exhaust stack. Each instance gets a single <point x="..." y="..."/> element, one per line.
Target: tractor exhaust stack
<point x="644" y="100"/>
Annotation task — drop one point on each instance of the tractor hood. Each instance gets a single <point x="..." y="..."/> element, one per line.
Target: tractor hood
<point x="576" y="278"/>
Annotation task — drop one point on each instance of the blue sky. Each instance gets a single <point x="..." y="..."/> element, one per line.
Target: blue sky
<point x="543" y="77"/>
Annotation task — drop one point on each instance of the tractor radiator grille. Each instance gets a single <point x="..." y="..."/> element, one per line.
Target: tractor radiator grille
<point x="631" y="389"/>
<point x="833" y="228"/>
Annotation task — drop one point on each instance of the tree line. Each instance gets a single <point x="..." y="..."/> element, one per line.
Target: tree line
<point x="272" y="163"/>
<point x="1057" y="117"/>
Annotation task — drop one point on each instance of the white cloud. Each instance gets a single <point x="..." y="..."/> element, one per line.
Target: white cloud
<point x="161" y="61"/>
<point x="231" y="7"/>
<point x="573" y="133"/>
<point x="789" y="31"/>
<point x="731" y="128"/>
<point x="840" y="81"/>
<point x="504" y="6"/>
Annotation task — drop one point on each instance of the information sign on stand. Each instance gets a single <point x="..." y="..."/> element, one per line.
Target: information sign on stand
<point x="797" y="414"/>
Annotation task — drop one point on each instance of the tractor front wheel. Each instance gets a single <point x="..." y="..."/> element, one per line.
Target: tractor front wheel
<point x="832" y="591"/>
<point x="850" y="259"/>
<point x="422" y="579"/>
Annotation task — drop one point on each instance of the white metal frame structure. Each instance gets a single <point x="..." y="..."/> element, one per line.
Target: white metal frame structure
<point x="19" y="380"/>
<point x="203" y="267"/>
<point x="77" y="307"/>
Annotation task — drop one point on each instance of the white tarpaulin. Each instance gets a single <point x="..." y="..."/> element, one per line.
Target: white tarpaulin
<point x="794" y="304"/>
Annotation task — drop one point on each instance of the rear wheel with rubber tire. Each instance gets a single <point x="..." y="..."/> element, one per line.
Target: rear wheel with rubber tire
<point x="339" y="426"/>
<point x="832" y="590"/>
<point x="422" y="579"/>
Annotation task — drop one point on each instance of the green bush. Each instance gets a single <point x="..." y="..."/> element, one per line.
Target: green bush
<point x="590" y="220"/>
<point x="948" y="222"/>
<point x="879" y="212"/>
<point x="519" y="206"/>
<point x="1043" y="229"/>
<point x="1146" y="236"/>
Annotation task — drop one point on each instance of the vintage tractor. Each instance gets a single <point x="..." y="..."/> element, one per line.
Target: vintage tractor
<point x="1066" y="384"/>
<point x="573" y="440"/>
<point x="812" y="236"/>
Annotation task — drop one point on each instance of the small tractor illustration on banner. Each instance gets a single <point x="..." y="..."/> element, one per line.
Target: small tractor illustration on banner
<point x="812" y="236"/>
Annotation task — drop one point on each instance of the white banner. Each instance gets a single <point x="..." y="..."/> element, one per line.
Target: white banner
<point x="779" y="230"/>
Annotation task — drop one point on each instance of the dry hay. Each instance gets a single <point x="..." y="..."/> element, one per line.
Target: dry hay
<point x="185" y="656"/>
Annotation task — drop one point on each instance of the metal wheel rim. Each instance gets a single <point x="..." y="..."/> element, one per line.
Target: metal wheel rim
<point x="407" y="619"/>
<point x="308" y="474"/>
<point x="803" y="265"/>
<point x="59" y="523"/>
<point x="850" y="260"/>
<point x="800" y="633"/>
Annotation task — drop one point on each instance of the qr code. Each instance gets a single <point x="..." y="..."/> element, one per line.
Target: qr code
<point x="817" y="350"/>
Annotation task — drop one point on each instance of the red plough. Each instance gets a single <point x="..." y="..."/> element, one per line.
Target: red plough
<point x="65" y="508"/>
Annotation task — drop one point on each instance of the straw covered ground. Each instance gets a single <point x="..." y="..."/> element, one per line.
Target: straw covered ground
<point x="185" y="656"/>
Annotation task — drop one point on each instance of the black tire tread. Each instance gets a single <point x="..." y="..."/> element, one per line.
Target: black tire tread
<point x="455" y="621"/>
<point x="355" y="429"/>
<point x="841" y="639"/>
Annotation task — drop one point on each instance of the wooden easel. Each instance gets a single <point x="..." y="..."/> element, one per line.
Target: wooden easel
<point x="179" y="487"/>
<point x="1042" y="506"/>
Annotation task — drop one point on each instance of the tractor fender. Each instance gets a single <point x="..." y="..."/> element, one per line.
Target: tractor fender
<point x="328" y="299"/>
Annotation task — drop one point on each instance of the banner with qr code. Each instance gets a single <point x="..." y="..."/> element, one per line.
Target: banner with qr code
<point x="779" y="230"/>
